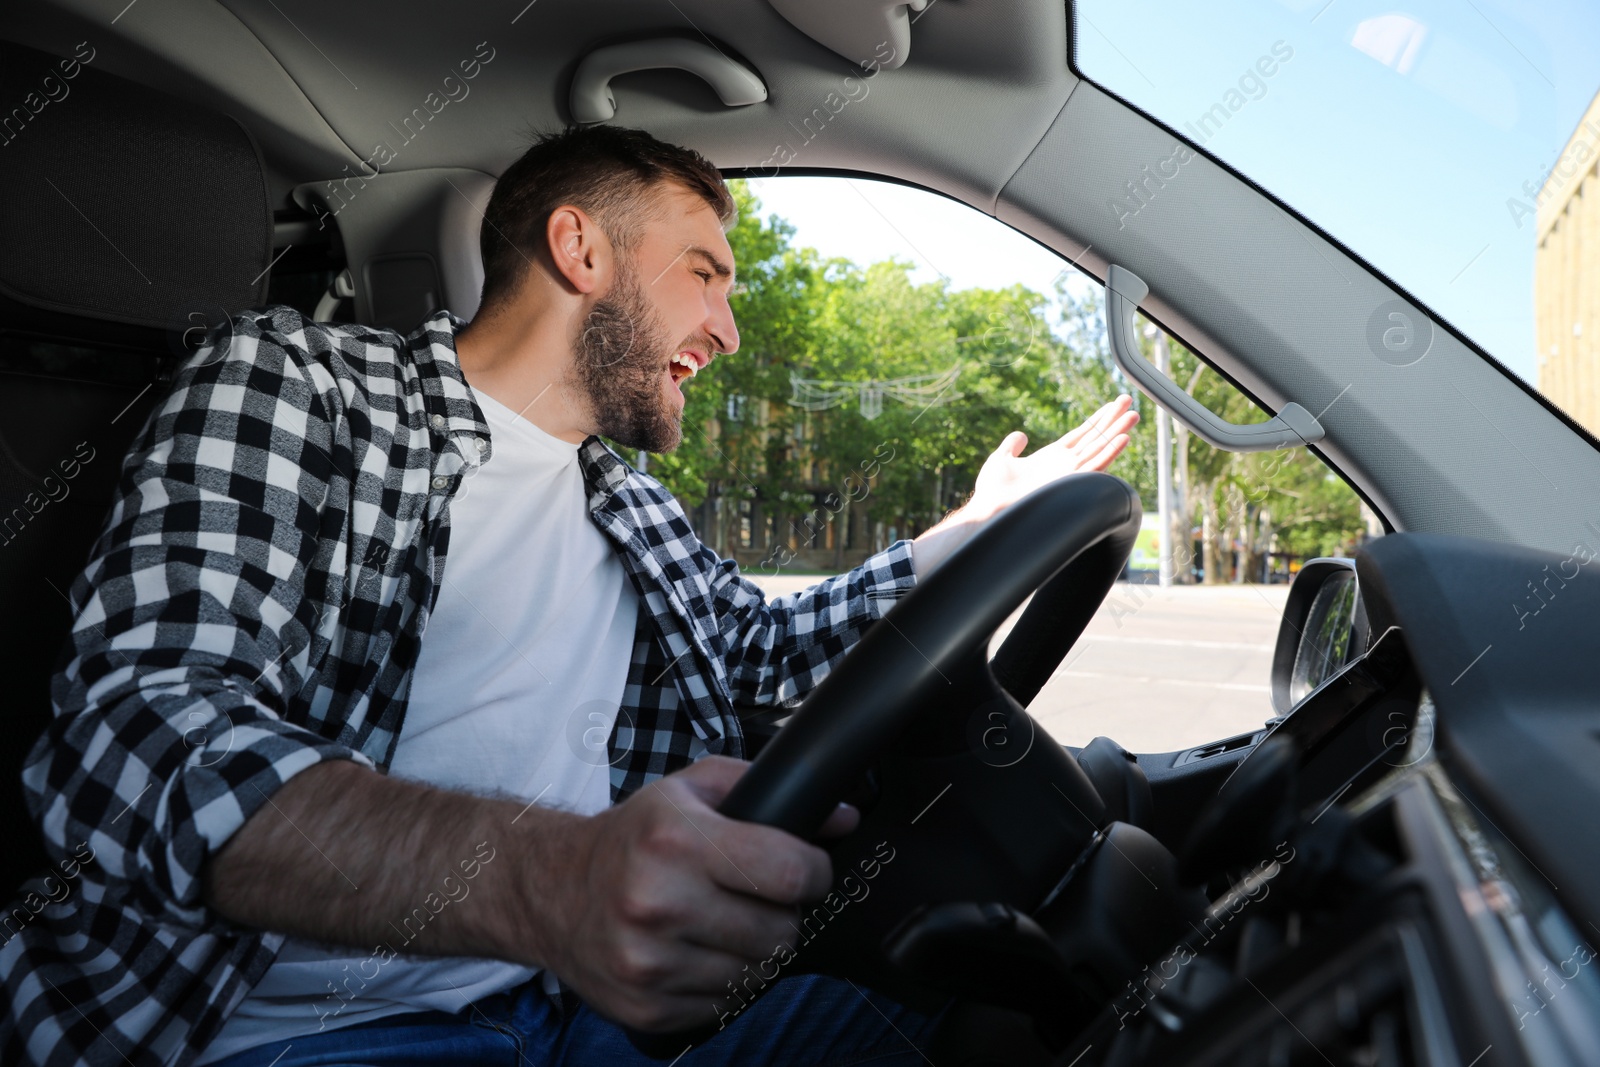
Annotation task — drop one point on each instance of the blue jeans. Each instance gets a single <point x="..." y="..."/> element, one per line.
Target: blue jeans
<point x="804" y="1021"/>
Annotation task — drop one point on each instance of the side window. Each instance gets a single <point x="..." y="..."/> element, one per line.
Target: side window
<point x="890" y="339"/>
<point x="1169" y="666"/>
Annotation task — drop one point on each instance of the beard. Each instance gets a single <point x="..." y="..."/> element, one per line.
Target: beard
<point x="620" y="357"/>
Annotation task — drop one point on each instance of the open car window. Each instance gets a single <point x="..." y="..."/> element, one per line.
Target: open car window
<point x="891" y="338"/>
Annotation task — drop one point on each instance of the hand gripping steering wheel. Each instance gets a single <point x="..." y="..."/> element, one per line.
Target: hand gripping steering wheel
<point x="963" y="796"/>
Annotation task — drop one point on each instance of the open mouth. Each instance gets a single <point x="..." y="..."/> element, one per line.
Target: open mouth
<point x="682" y="366"/>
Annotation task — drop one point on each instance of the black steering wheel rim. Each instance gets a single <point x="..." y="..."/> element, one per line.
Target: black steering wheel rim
<point x="1068" y="541"/>
<point x="927" y="656"/>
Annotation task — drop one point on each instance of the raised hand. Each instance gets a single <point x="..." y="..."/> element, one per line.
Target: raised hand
<point x="1007" y="476"/>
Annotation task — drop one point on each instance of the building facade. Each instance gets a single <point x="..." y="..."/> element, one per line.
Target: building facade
<point x="1566" y="276"/>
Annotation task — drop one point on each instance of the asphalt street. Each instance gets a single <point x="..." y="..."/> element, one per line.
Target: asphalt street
<point x="1157" y="669"/>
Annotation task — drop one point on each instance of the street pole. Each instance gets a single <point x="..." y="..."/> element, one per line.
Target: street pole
<point x="1163" y="362"/>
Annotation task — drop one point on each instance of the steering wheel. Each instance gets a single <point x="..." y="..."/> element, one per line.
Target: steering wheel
<point x="963" y="797"/>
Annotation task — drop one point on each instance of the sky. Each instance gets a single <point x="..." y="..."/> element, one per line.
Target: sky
<point x="1409" y="134"/>
<point x="1402" y="128"/>
<point x="867" y="221"/>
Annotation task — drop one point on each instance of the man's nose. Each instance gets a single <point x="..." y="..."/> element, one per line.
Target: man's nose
<point x="722" y="328"/>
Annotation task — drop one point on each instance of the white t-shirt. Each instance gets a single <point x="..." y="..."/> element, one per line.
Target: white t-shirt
<point x="515" y="691"/>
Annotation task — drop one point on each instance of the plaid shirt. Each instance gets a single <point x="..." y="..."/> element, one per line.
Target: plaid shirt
<point x="255" y="605"/>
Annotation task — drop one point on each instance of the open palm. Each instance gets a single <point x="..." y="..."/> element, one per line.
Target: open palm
<point x="1007" y="475"/>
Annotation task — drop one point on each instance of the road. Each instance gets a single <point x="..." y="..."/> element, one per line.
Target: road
<point x="1157" y="669"/>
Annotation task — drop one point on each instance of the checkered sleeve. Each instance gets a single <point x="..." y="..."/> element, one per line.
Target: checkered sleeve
<point x="193" y="624"/>
<point x="781" y="648"/>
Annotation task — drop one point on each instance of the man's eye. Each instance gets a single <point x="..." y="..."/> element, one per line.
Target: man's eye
<point x="705" y="276"/>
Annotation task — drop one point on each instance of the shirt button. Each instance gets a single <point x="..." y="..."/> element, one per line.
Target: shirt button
<point x="438" y="422"/>
<point x="481" y="445"/>
<point x="440" y="482"/>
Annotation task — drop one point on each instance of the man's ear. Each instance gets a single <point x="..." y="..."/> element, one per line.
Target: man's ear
<point x="578" y="248"/>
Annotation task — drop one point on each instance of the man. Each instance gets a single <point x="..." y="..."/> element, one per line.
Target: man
<point x="249" y="655"/>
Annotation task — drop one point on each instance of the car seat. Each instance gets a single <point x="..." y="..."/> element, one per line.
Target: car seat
<point x="130" y="222"/>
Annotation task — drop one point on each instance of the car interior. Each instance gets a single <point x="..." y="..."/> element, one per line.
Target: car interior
<point x="1402" y="866"/>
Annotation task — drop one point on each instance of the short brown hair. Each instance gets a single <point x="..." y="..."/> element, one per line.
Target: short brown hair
<point x="607" y="171"/>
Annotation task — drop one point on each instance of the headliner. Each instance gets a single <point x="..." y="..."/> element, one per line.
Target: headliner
<point x="321" y="85"/>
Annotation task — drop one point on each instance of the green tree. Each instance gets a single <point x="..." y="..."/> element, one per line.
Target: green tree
<point x="748" y="449"/>
<point x="1282" y="501"/>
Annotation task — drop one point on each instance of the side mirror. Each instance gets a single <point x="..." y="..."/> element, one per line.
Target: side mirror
<point x="1324" y="627"/>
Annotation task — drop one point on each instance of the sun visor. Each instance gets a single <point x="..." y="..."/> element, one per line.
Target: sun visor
<point x="121" y="203"/>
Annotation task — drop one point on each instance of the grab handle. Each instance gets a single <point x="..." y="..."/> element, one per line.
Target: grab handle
<point x="1291" y="427"/>
<point x="591" y="101"/>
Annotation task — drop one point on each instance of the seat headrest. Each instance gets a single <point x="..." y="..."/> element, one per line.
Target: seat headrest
<point x="122" y="203"/>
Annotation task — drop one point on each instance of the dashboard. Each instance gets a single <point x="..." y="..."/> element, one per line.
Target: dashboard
<point x="1403" y="869"/>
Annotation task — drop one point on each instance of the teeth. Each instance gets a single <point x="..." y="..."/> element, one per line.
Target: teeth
<point x="683" y="359"/>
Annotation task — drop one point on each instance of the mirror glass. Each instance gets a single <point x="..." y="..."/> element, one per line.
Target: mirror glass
<point x="1325" y="642"/>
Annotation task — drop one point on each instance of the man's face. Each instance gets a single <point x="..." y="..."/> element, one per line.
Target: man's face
<point x="663" y="319"/>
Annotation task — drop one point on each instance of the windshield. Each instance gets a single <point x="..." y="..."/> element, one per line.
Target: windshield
<point x="1450" y="143"/>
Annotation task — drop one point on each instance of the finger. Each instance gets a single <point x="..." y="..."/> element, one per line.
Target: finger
<point x="1013" y="445"/>
<point x="706" y="970"/>
<point x="1098" y="421"/>
<point x="840" y="821"/>
<point x="1077" y="433"/>
<point x="1102" y="459"/>
<point x="1122" y="424"/>
<point x="1092" y="444"/>
<point x="758" y="860"/>
<point x="684" y="967"/>
<point x="765" y="862"/>
<point x="1078" y="455"/>
<point x="743" y="928"/>
<point x="710" y="778"/>
<point x="1115" y="410"/>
